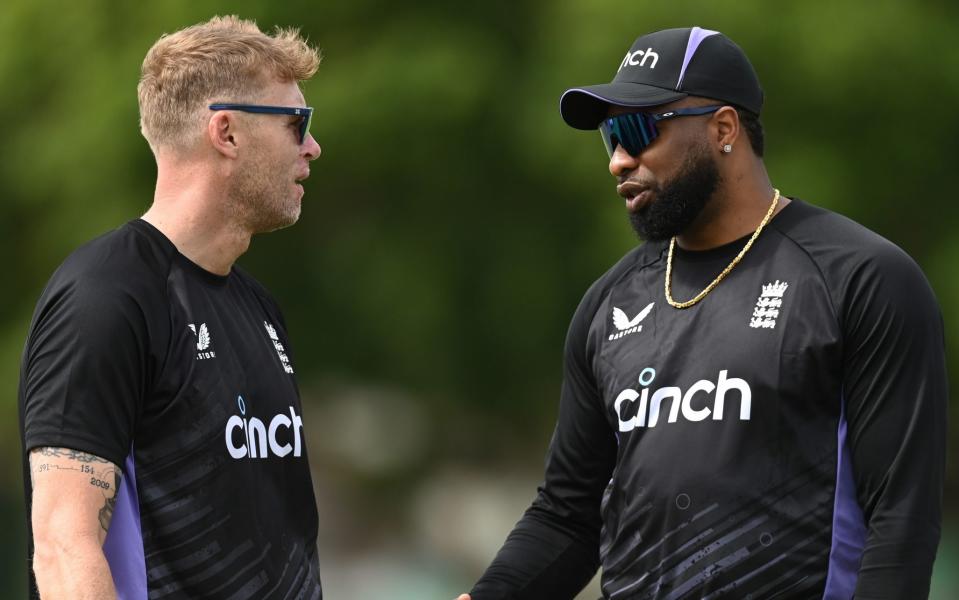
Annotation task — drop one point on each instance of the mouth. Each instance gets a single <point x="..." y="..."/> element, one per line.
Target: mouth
<point x="298" y="181"/>
<point x="635" y="194"/>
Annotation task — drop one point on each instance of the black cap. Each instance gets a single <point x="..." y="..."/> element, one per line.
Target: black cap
<point x="664" y="66"/>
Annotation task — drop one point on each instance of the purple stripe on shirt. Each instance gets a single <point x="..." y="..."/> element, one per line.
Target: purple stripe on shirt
<point x="696" y="37"/>
<point x="124" y="544"/>
<point x="848" y="526"/>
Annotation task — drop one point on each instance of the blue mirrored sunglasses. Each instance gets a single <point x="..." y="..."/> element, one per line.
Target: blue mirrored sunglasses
<point x="304" y="112"/>
<point x="634" y="131"/>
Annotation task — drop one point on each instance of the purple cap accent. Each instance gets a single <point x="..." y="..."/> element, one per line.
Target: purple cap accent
<point x="696" y="37"/>
<point x="124" y="544"/>
<point x="848" y="525"/>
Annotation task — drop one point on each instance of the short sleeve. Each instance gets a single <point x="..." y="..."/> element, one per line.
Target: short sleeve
<point x="84" y="368"/>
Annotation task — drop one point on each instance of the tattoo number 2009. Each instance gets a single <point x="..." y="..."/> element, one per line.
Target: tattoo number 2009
<point x="99" y="483"/>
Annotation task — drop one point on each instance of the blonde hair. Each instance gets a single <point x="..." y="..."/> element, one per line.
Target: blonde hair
<point x="226" y="59"/>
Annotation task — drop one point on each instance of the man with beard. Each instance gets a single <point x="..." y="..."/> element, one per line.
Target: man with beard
<point x="162" y="431"/>
<point x="753" y="403"/>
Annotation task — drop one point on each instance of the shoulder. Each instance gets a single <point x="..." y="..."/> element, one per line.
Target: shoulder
<point x="131" y="256"/>
<point x="828" y="237"/>
<point x="855" y="262"/>
<point x="840" y="246"/>
<point x="122" y="273"/>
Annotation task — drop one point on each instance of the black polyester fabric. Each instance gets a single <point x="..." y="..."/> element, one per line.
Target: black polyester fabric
<point x="798" y="447"/>
<point x="139" y="356"/>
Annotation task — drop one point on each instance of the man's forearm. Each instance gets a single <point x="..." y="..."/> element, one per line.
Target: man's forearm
<point x="74" y="494"/>
<point x="72" y="570"/>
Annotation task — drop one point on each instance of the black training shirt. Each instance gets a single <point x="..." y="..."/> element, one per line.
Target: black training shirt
<point x="783" y="438"/>
<point x="185" y="380"/>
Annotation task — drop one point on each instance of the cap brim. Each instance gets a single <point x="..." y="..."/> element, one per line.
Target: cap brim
<point x="586" y="107"/>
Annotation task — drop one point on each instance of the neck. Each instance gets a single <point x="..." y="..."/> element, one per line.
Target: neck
<point x="191" y="210"/>
<point x="734" y="211"/>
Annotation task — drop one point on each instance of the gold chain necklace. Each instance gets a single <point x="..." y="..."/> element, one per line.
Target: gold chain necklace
<point x="729" y="267"/>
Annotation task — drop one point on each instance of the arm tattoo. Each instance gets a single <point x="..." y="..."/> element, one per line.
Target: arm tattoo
<point x="105" y="478"/>
<point x="88" y="461"/>
<point x="106" y="512"/>
<point x="71" y="454"/>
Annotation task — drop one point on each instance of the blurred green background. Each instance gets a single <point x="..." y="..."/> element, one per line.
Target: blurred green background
<point x="453" y="222"/>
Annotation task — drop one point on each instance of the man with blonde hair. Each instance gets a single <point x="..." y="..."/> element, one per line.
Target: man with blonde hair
<point x="162" y="429"/>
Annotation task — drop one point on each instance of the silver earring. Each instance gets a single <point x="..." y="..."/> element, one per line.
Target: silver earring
<point x="728" y="148"/>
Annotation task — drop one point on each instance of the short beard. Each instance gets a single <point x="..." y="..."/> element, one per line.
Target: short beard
<point x="676" y="204"/>
<point x="257" y="198"/>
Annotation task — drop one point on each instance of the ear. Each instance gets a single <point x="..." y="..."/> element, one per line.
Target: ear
<point x="221" y="131"/>
<point x="727" y="127"/>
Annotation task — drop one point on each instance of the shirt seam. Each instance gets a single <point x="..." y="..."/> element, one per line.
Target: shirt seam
<point x="822" y="276"/>
<point x="639" y="266"/>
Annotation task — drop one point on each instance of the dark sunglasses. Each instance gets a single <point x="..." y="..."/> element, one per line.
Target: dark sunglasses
<point x="635" y="131"/>
<point x="304" y="112"/>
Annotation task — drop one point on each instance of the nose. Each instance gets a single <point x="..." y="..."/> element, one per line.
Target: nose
<point x="621" y="162"/>
<point x="310" y="148"/>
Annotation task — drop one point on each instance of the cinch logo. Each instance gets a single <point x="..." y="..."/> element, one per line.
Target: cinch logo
<point x="646" y="54"/>
<point x="679" y="401"/>
<point x="257" y="440"/>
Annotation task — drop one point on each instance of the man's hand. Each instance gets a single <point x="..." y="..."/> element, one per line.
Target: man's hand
<point x="463" y="597"/>
<point x="73" y="498"/>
